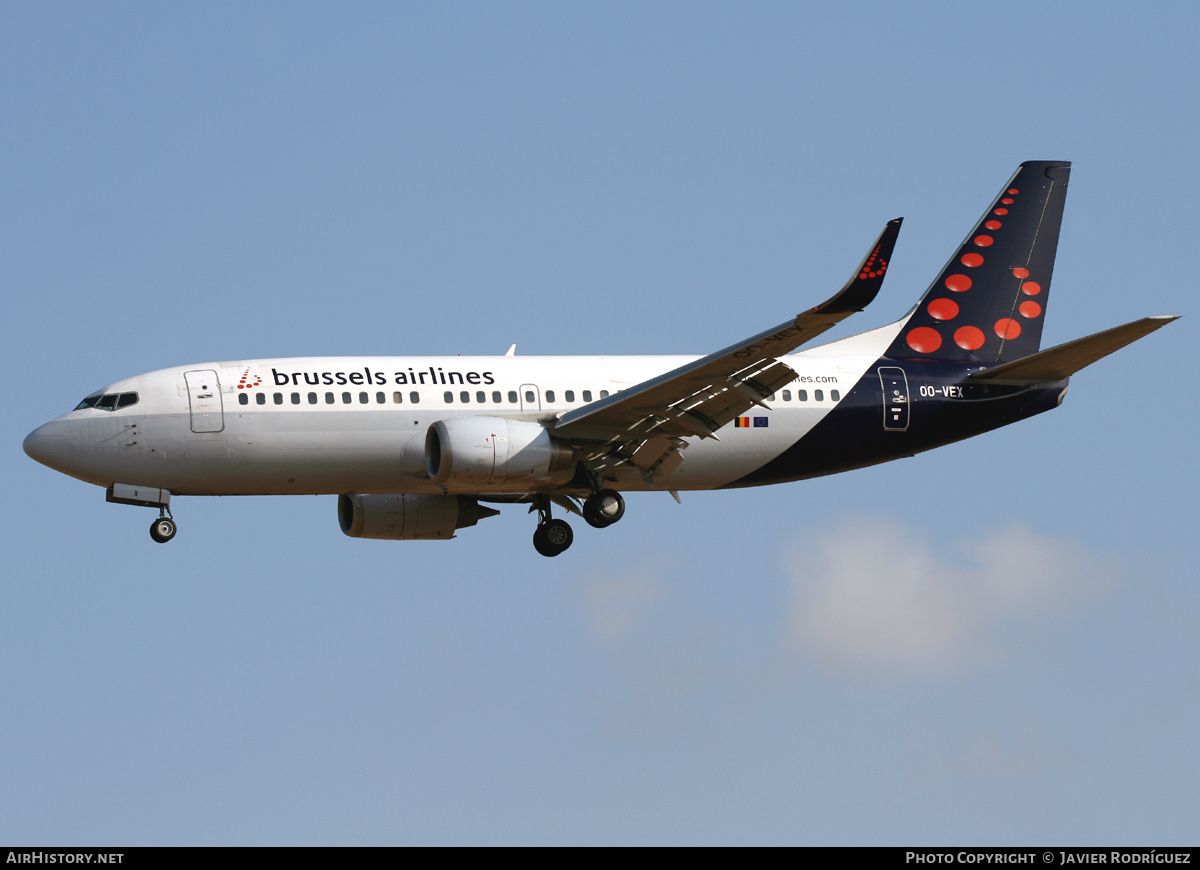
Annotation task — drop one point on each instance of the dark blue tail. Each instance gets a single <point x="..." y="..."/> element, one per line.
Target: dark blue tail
<point x="988" y="303"/>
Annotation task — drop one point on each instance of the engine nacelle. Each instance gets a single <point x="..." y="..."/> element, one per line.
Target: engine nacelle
<point x="408" y="517"/>
<point x="486" y="451"/>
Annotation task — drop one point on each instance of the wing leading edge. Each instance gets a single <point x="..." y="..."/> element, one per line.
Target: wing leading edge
<point x="646" y="424"/>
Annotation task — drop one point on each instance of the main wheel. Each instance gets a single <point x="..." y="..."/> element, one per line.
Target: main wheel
<point x="163" y="529"/>
<point x="603" y="508"/>
<point x="552" y="537"/>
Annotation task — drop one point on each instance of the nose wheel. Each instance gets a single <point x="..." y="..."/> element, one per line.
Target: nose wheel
<point x="163" y="529"/>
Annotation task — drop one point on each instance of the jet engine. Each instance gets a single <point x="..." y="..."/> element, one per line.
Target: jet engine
<point x="483" y="451"/>
<point x="408" y="517"/>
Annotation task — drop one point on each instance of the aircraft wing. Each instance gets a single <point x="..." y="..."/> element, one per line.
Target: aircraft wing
<point x="646" y="423"/>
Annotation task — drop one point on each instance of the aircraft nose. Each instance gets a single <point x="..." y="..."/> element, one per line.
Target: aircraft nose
<point x="50" y="444"/>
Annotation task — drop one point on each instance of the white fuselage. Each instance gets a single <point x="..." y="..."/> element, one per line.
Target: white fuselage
<point x="358" y="424"/>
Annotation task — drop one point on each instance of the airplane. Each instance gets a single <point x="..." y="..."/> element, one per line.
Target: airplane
<point x="418" y="447"/>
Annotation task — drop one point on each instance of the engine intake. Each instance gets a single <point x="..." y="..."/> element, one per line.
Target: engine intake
<point x="487" y="451"/>
<point x="405" y="517"/>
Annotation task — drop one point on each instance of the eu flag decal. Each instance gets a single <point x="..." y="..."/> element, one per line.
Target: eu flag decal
<point x="742" y="423"/>
<point x="760" y="422"/>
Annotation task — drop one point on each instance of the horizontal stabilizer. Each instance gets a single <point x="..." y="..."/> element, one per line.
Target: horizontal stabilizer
<point x="1066" y="359"/>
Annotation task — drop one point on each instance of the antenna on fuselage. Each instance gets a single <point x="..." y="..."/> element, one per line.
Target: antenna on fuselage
<point x="512" y="351"/>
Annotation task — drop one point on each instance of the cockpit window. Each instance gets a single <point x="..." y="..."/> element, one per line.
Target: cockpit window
<point x="108" y="401"/>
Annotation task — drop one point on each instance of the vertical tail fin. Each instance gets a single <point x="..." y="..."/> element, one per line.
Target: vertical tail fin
<point x="988" y="303"/>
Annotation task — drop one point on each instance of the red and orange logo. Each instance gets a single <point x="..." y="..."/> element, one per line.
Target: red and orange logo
<point x="248" y="381"/>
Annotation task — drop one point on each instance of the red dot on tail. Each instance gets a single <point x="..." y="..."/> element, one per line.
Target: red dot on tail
<point x="1031" y="288"/>
<point x="969" y="337"/>
<point x="1013" y="190"/>
<point x="1006" y="201"/>
<point x="1030" y="309"/>
<point x="993" y="225"/>
<point x="958" y="283"/>
<point x="972" y="260"/>
<point x="1001" y="211"/>
<point x="1006" y="327"/>
<point x="1021" y="273"/>
<point x="943" y="309"/>
<point x="983" y="241"/>
<point x="924" y="339"/>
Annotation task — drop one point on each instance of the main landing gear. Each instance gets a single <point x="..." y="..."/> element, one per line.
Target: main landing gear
<point x="551" y="536"/>
<point x="600" y="509"/>
<point x="603" y="508"/>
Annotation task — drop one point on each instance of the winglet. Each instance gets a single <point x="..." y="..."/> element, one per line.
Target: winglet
<point x="864" y="284"/>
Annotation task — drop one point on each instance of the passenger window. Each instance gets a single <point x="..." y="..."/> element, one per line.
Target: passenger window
<point x="128" y="399"/>
<point x="529" y="396"/>
<point x="261" y="398"/>
<point x="465" y="397"/>
<point x="449" y="397"/>
<point x="312" y="398"/>
<point x="480" y="397"/>
<point x="604" y="394"/>
<point x="802" y="395"/>
<point x="512" y="397"/>
<point x="496" y="396"/>
<point x="819" y="395"/>
<point x="787" y="395"/>
<point x="398" y="397"/>
<point x="329" y="398"/>
<point x="569" y="395"/>
<point x="380" y="399"/>
<point x="835" y="395"/>
<point x="549" y="395"/>
<point x="347" y="398"/>
<point x="243" y="399"/>
<point x="414" y="397"/>
<point x="363" y="398"/>
<point x="295" y="398"/>
<point x="279" y="398"/>
<point x="587" y="395"/>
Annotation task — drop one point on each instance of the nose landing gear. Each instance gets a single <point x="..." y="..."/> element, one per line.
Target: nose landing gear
<point x="163" y="528"/>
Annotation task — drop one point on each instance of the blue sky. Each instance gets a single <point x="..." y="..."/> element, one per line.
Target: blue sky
<point x="992" y="643"/>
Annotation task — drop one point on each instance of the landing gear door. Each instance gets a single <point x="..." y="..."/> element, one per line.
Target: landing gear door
<point x="204" y="399"/>
<point x="895" y="398"/>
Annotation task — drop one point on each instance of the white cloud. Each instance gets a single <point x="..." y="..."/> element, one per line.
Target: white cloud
<point x="875" y="598"/>
<point x="617" y="605"/>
